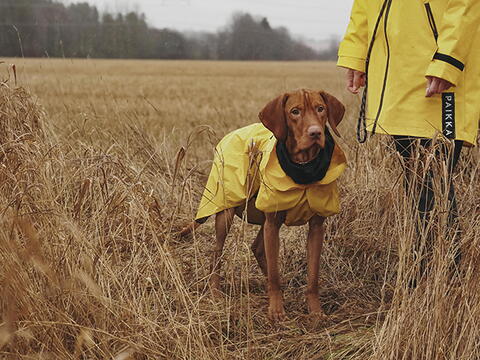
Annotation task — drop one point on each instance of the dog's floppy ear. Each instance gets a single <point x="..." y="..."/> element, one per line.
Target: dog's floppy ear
<point x="273" y="117"/>
<point x="335" y="110"/>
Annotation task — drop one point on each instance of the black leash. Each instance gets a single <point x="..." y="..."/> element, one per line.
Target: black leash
<point x="362" y="133"/>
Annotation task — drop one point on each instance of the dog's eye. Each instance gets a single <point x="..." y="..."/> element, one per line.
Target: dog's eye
<point x="320" y="109"/>
<point x="295" y="111"/>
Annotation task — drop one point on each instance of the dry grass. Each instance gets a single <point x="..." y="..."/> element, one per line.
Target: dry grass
<point x="106" y="161"/>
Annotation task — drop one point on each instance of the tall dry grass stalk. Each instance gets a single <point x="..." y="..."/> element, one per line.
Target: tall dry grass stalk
<point x="92" y="194"/>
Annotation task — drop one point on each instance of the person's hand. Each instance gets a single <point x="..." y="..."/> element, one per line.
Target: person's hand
<point x="436" y="85"/>
<point x="355" y="80"/>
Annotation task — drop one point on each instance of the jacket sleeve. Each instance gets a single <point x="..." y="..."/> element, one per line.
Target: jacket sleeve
<point x="457" y="31"/>
<point x="353" y="48"/>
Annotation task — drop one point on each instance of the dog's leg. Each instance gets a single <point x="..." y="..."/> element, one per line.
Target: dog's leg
<point x="258" y="248"/>
<point x="187" y="230"/>
<point x="316" y="234"/>
<point x="223" y="222"/>
<point x="272" y="225"/>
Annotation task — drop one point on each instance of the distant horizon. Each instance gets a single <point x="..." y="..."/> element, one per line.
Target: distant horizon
<point x="304" y="19"/>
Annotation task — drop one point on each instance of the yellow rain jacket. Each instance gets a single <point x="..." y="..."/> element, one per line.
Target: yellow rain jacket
<point x="246" y="166"/>
<point x="439" y="38"/>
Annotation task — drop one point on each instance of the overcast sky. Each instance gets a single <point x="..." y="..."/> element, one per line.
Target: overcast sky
<point x="315" y="19"/>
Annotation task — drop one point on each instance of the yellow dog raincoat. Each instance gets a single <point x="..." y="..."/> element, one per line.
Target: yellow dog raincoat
<point x="246" y="167"/>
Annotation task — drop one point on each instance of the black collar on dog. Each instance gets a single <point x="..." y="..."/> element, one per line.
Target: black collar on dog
<point x="312" y="171"/>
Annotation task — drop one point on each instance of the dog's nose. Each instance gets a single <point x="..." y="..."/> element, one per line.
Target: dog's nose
<point x="314" y="131"/>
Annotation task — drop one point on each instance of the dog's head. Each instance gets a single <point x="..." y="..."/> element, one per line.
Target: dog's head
<point x="299" y="119"/>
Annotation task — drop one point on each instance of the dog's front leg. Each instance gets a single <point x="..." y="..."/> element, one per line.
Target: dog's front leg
<point x="273" y="222"/>
<point x="316" y="234"/>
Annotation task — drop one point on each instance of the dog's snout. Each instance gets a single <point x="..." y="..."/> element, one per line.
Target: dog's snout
<point x="314" y="131"/>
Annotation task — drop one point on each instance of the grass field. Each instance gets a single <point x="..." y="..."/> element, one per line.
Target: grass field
<point x="101" y="163"/>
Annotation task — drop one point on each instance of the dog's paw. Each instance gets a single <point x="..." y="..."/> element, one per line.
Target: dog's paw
<point x="276" y="311"/>
<point x="183" y="233"/>
<point x="215" y="288"/>
<point x="318" y="316"/>
<point x="317" y="320"/>
<point x="314" y="306"/>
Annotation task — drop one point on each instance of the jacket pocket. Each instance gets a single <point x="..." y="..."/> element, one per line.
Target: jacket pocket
<point x="431" y="20"/>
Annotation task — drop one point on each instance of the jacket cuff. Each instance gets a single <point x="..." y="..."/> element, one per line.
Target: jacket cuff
<point x="351" y="63"/>
<point x="445" y="68"/>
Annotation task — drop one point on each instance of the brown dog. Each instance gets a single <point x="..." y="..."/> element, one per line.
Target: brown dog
<point x="298" y="122"/>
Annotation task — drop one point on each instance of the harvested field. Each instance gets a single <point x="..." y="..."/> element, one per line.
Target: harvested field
<point x="102" y="162"/>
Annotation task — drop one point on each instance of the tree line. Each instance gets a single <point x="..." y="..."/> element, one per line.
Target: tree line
<point x="47" y="28"/>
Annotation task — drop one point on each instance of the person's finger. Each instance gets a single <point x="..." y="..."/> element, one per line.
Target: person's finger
<point x="350" y="81"/>
<point x="429" y="84"/>
<point x="445" y="85"/>
<point x="354" y="80"/>
<point x="433" y="87"/>
<point x="436" y="86"/>
<point x="429" y="81"/>
<point x="357" y="79"/>
<point x="353" y="89"/>
<point x="363" y="78"/>
<point x="442" y="86"/>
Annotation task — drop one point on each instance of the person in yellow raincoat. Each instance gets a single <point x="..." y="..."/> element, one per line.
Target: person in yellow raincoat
<point x="419" y="62"/>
